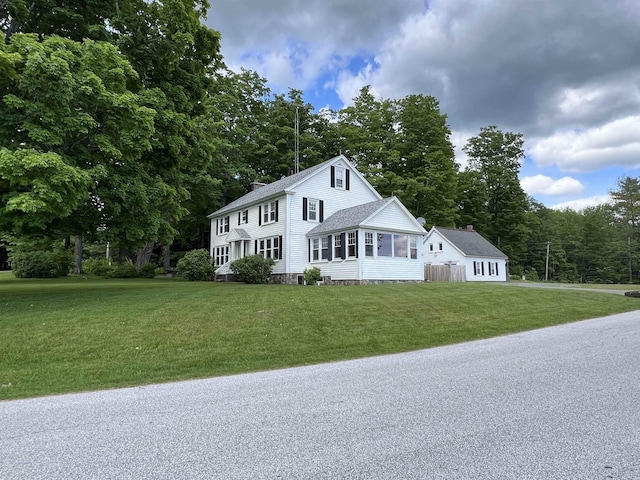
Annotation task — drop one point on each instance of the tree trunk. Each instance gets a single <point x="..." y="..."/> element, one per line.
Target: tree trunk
<point x="167" y="258"/>
<point x="144" y="255"/>
<point x="77" y="255"/>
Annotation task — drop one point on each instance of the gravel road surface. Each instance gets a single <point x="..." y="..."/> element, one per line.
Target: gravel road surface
<point x="555" y="403"/>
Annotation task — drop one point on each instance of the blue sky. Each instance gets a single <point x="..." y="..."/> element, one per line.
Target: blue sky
<point x="565" y="74"/>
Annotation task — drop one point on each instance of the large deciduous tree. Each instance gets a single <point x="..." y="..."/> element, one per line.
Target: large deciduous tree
<point x="496" y="157"/>
<point x="69" y="126"/>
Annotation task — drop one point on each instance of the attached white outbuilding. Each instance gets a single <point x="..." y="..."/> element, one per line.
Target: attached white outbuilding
<point x="463" y="255"/>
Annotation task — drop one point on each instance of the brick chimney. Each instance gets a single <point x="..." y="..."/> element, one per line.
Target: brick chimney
<point x="469" y="228"/>
<point x="256" y="185"/>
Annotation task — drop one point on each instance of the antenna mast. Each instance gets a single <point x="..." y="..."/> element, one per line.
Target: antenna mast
<point x="296" y="167"/>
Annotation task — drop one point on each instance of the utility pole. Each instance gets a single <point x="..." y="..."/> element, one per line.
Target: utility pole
<point x="546" y="264"/>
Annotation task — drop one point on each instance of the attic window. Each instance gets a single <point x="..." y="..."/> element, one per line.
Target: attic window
<point x="339" y="178"/>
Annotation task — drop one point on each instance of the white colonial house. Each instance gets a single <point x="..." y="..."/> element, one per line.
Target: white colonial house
<point x="465" y="251"/>
<point x="327" y="216"/>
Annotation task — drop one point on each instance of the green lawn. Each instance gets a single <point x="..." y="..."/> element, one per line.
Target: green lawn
<point x="77" y="334"/>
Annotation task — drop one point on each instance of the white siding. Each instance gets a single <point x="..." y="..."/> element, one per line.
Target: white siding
<point x="392" y="218"/>
<point x="477" y="275"/>
<point x="450" y="254"/>
<point x="318" y="186"/>
<point x="253" y="228"/>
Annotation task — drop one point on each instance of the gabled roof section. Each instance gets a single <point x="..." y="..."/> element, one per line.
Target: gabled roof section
<point x="469" y="242"/>
<point x="349" y="217"/>
<point x="277" y="187"/>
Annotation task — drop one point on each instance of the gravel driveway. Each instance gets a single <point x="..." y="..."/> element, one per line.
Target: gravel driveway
<point x="555" y="403"/>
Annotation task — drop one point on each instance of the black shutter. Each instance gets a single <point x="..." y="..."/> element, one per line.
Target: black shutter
<point x="309" y="250"/>
<point x="343" y="245"/>
<point x="217" y="226"/>
<point x="333" y="176"/>
<point x="347" y="179"/>
<point x="497" y="273"/>
<point x="304" y="208"/>
<point x="276" y="210"/>
<point x="247" y="215"/>
<point x="330" y="243"/>
<point x="259" y="215"/>
<point x="238" y="218"/>
<point x="321" y="211"/>
<point x="281" y="247"/>
<point x="255" y="250"/>
<point x="482" y="264"/>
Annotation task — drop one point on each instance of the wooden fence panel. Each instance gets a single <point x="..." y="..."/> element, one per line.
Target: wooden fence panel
<point x="444" y="273"/>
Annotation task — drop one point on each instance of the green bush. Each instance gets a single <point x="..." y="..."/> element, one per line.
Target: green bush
<point x="532" y="275"/>
<point x="98" y="266"/>
<point x="252" y="269"/>
<point x="126" y="270"/>
<point x="148" y="270"/>
<point x="196" y="265"/>
<point x="40" y="264"/>
<point x="312" y="275"/>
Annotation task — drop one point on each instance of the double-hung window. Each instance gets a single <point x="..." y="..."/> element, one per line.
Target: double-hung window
<point x="221" y="255"/>
<point x="243" y="217"/>
<point x="413" y="246"/>
<point x="352" y="244"/>
<point x="324" y="253"/>
<point x="315" y="249"/>
<point x="270" y="212"/>
<point x="337" y="246"/>
<point x="223" y="225"/>
<point x="368" y="244"/>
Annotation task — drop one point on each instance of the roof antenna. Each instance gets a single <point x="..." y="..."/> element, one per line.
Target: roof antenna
<point x="296" y="168"/>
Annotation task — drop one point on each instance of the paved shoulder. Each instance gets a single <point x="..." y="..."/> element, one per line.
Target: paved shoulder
<point x="561" y="402"/>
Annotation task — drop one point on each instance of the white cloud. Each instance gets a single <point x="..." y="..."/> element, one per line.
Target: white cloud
<point x="583" y="203"/>
<point x="541" y="184"/>
<point x="615" y="143"/>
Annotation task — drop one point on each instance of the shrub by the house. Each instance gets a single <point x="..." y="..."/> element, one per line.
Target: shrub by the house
<point x="196" y="265"/>
<point x="252" y="269"/>
<point x="312" y="275"/>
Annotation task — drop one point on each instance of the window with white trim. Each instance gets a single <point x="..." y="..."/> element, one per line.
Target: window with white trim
<point x="368" y="244"/>
<point x="339" y="179"/>
<point x="269" y="212"/>
<point x="352" y="244"/>
<point x="244" y="217"/>
<point x="400" y="246"/>
<point x="312" y="210"/>
<point x="431" y="247"/>
<point x="221" y="255"/>
<point x="397" y="245"/>
<point x="478" y="268"/>
<point x="269" y="247"/>
<point x="223" y="225"/>
<point x="324" y="254"/>
<point x="413" y="247"/>
<point x="440" y="246"/>
<point x="315" y="249"/>
<point x="337" y="247"/>
<point x="493" y="269"/>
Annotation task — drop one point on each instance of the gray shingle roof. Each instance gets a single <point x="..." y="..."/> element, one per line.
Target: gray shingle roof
<point x="471" y="243"/>
<point x="349" y="217"/>
<point x="270" y="189"/>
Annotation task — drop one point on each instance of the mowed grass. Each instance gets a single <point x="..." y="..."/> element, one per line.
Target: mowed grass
<point x="76" y="334"/>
